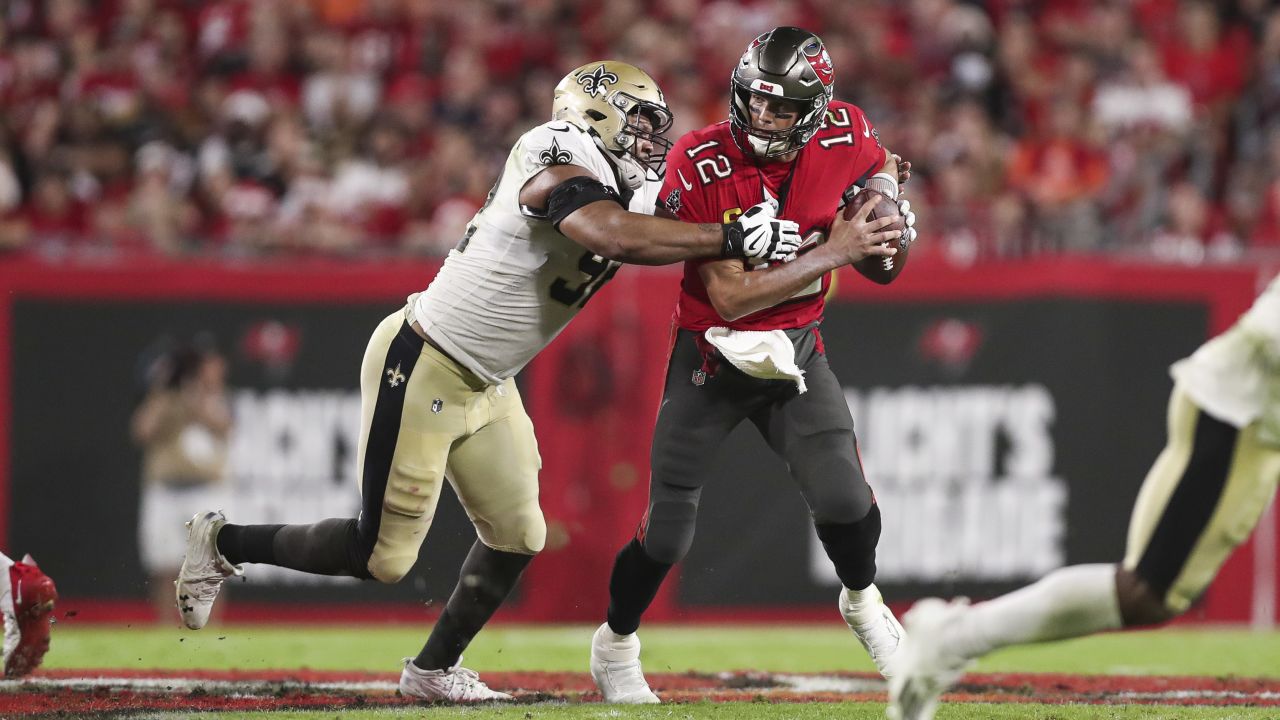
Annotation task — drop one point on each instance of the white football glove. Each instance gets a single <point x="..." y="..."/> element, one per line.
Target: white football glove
<point x="909" y="219"/>
<point x="758" y="235"/>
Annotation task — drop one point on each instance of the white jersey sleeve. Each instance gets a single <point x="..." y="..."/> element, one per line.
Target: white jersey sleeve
<point x="514" y="281"/>
<point x="1235" y="377"/>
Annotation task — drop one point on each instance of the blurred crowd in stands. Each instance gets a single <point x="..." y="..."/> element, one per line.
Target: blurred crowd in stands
<point x="375" y="127"/>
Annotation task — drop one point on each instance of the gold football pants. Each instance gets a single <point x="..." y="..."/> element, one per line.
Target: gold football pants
<point x="423" y="420"/>
<point x="1201" y="499"/>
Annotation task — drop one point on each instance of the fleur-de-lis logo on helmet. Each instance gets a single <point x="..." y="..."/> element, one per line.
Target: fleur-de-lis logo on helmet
<point x="555" y="156"/>
<point x="597" y="79"/>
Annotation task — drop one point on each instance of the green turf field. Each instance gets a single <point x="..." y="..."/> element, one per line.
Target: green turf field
<point x="801" y="648"/>
<point x="671" y="649"/>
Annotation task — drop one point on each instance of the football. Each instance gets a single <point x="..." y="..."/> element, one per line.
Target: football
<point x="878" y="269"/>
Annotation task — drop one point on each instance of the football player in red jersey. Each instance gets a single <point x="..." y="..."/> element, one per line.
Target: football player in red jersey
<point x="786" y="139"/>
<point x="27" y="596"/>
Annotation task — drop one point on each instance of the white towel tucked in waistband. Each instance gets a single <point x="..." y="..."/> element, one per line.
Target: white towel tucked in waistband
<point x="768" y="355"/>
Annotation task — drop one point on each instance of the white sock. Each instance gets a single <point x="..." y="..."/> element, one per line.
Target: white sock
<point x="1066" y="603"/>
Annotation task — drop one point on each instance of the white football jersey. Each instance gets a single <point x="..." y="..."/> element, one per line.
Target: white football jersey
<point x="1235" y="377"/>
<point x="514" y="281"/>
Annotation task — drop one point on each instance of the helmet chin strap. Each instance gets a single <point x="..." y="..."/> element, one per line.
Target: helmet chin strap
<point x="761" y="145"/>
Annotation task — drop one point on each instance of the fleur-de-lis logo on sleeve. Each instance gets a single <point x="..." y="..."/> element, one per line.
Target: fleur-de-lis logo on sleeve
<point x="595" y="82"/>
<point x="394" y="376"/>
<point x="555" y="156"/>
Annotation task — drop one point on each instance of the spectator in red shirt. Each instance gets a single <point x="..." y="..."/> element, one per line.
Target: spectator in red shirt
<point x="371" y="191"/>
<point x="1190" y="232"/>
<point x="1061" y="174"/>
<point x="52" y="221"/>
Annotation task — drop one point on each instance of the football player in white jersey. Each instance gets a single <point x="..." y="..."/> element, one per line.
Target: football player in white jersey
<point x="1201" y="498"/>
<point x="438" y="399"/>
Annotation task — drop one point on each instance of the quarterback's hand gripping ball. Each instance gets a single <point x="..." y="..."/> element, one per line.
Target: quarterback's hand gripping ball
<point x="882" y="270"/>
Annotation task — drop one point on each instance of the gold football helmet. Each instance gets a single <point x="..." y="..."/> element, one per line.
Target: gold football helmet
<point x="617" y="103"/>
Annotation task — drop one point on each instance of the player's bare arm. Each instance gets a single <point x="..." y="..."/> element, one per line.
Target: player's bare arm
<point x="737" y="292"/>
<point x="604" y="227"/>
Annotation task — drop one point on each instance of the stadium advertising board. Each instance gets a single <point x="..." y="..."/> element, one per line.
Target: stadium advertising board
<point x="295" y="407"/>
<point x="1006" y="418"/>
<point x="992" y="433"/>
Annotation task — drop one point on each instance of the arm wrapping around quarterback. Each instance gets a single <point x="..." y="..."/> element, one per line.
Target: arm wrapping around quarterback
<point x="610" y="231"/>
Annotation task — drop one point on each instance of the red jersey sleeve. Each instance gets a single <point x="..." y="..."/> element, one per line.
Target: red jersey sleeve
<point x="869" y="155"/>
<point x="680" y="193"/>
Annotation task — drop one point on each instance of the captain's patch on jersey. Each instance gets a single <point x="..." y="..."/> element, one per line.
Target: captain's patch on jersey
<point x="673" y="201"/>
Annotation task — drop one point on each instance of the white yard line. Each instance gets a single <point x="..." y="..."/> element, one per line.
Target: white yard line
<point x="236" y="687"/>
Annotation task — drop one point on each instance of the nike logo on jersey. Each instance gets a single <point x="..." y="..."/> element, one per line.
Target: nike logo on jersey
<point x="866" y="129"/>
<point x="687" y="185"/>
<point x="769" y="198"/>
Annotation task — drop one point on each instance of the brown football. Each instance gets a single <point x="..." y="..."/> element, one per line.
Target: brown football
<point x="876" y="268"/>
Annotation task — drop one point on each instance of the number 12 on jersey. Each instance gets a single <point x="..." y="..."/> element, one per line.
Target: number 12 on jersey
<point x="599" y="270"/>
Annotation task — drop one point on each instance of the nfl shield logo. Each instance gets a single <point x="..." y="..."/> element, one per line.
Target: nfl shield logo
<point x="437" y="405"/>
<point x="699" y="377"/>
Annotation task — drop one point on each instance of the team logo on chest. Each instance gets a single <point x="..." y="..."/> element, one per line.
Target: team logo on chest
<point x="394" y="376"/>
<point x="597" y="80"/>
<point x="555" y="156"/>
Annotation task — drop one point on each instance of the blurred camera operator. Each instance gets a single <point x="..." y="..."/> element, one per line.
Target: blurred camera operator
<point x="183" y="426"/>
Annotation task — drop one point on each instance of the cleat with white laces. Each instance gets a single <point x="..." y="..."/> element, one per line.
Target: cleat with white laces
<point x="873" y="623"/>
<point x="926" y="666"/>
<point x="456" y="684"/>
<point x="203" y="569"/>
<point x="615" y="666"/>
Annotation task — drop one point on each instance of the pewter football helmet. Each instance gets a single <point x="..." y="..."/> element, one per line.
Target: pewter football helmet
<point x="787" y="63"/>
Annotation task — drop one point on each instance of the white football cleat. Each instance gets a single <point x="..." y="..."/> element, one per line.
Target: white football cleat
<point x="456" y="684"/>
<point x="926" y="666"/>
<point x="615" y="666"/>
<point x="873" y="623"/>
<point x="203" y="569"/>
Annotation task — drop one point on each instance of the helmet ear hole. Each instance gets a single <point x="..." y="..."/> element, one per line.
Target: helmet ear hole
<point x="596" y="115"/>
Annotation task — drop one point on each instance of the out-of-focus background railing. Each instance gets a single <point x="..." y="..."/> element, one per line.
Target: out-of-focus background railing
<point x="375" y="127"/>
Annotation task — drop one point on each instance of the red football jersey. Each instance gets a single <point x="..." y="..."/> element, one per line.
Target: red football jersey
<point x="710" y="180"/>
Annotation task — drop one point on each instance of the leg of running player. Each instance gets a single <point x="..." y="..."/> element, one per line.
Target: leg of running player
<point x="694" y="418"/>
<point x="1200" y="500"/>
<point x="813" y="432"/>
<point x="697" y="412"/>
<point x="495" y="475"/>
<point x="401" y="461"/>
